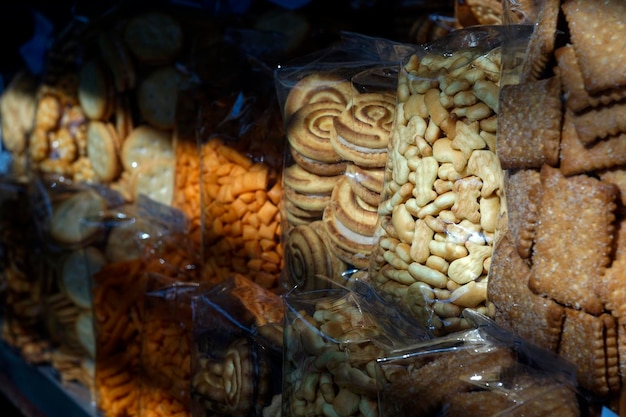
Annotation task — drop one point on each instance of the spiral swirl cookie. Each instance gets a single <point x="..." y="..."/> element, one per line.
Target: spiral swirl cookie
<point x="309" y="131"/>
<point x="316" y="88"/>
<point x="308" y="259"/>
<point x="361" y="132"/>
<point x="350" y="224"/>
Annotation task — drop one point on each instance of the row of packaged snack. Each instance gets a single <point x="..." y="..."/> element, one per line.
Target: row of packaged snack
<point x="377" y="228"/>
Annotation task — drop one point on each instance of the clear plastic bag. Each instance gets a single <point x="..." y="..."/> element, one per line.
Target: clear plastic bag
<point x="333" y="340"/>
<point x="338" y="107"/>
<point x="441" y="204"/>
<point x="237" y="350"/>
<point x="485" y="371"/>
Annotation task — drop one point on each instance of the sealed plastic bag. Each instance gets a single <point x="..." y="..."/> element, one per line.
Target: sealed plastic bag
<point x="441" y="203"/>
<point x="338" y="107"/>
<point x="333" y="340"/>
<point x="165" y="347"/>
<point x="237" y="350"/>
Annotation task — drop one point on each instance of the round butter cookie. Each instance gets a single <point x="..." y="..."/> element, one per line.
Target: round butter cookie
<point x="361" y="132"/>
<point x="154" y="37"/>
<point x="124" y="123"/>
<point x="303" y="181"/>
<point x="66" y="225"/>
<point x="366" y="183"/>
<point x="316" y="167"/>
<point x="307" y="259"/>
<point x="103" y="150"/>
<point x="155" y="179"/>
<point x="351" y="211"/>
<point x="95" y="91"/>
<point x="309" y="131"/>
<point x="144" y="144"/>
<point x="157" y="97"/>
<point x="126" y="239"/>
<point x="353" y="247"/>
<point x="17" y="112"/>
<point x="316" y="88"/>
<point x="76" y="273"/>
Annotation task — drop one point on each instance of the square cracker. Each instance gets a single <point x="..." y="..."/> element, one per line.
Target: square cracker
<point x="573" y="238"/>
<point x="529" y="124"/>
<point x="542" y="42"/>
<point x="590" y="344"/>
<point x="534" y="318"/>
<point x="599" y="122"/>
<point x="576" y="97"/>
<point x="598" y="31"/>
<point x="522" y="189"/>
<point x="577" y="158"/>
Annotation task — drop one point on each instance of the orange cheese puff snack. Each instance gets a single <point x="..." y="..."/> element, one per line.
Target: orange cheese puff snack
<point x="241" y="216"/>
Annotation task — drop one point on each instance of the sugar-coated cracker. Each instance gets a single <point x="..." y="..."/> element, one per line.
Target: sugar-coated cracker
<point x="576" y="97"/>
<point x="523" y="192"/>
<point x="542" y="41"/>
<point x="590" y="343"/>
<point x="573" y="238"/>
<point x="529" y="124"/>
<point x="535" y="318"/>
<point x="597" y="31"/>
<point x="616" y="176"/>
<point x="577" y="158"/>
<point x="612" y="287"/>
<point x="600" y="122"/>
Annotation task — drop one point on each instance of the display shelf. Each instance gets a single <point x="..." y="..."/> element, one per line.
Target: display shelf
<point x="36" y="390"/>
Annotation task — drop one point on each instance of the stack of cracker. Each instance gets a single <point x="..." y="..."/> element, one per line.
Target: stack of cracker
<point x="557" y="276"/>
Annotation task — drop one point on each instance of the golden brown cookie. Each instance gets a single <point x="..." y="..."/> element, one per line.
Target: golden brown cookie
<point x="529" y="124"/>
<point x="78" y="267"/>
<point x="597" y="31"/>
<point x="541" y="44"/>
<point x="577" y="158"/>
<point x="317" y="167"/>
<point x="536" y="319"/>
<point x="66" y="226"/>
<point x="590" y="344"/>
<point x="366" y="183"/>
<point x="155" y="180"/>
<point x="309" y="131"/>
<point x="157" y="97"/>
<point x="600" y="122"/>
<point x="361" y="132"/>
<point x="352" y="247"/>
<point x="318" y="87"/>
<point x="522" y="189"/>
<point x="144" y="144"/>
<point x="95" y="90"/>
<point x="103" y="150"/>
<point x="17" y="112"/>
<point x="577" y="98"/>
<point x="566" y="268"/>
<point x="303" y="181"/>
<point x="153" y="37"/>
<point x="356" y="215"/>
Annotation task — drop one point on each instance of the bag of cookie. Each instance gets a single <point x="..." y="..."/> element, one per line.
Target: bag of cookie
<point x="485" y="371"/>
<point x="143" y="246"/>
<point x="164" y="365"/>
<point x="338" y="107"/>
<point x="562" y="254"/>
<point x="441" y="204"/>
<point x="20" y="286"/>
<point x="241" y="144"/>
<point x="236" y="361"/>
<point x="333" y="340"/>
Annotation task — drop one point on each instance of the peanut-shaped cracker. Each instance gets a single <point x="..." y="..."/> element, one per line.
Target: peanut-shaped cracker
<point x="444" y="148"/>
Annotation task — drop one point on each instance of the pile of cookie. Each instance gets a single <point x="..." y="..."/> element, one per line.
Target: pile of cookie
<point x="338" y="137"/>
<point x="108" y="115"/>
<point x="557" y="276"/>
